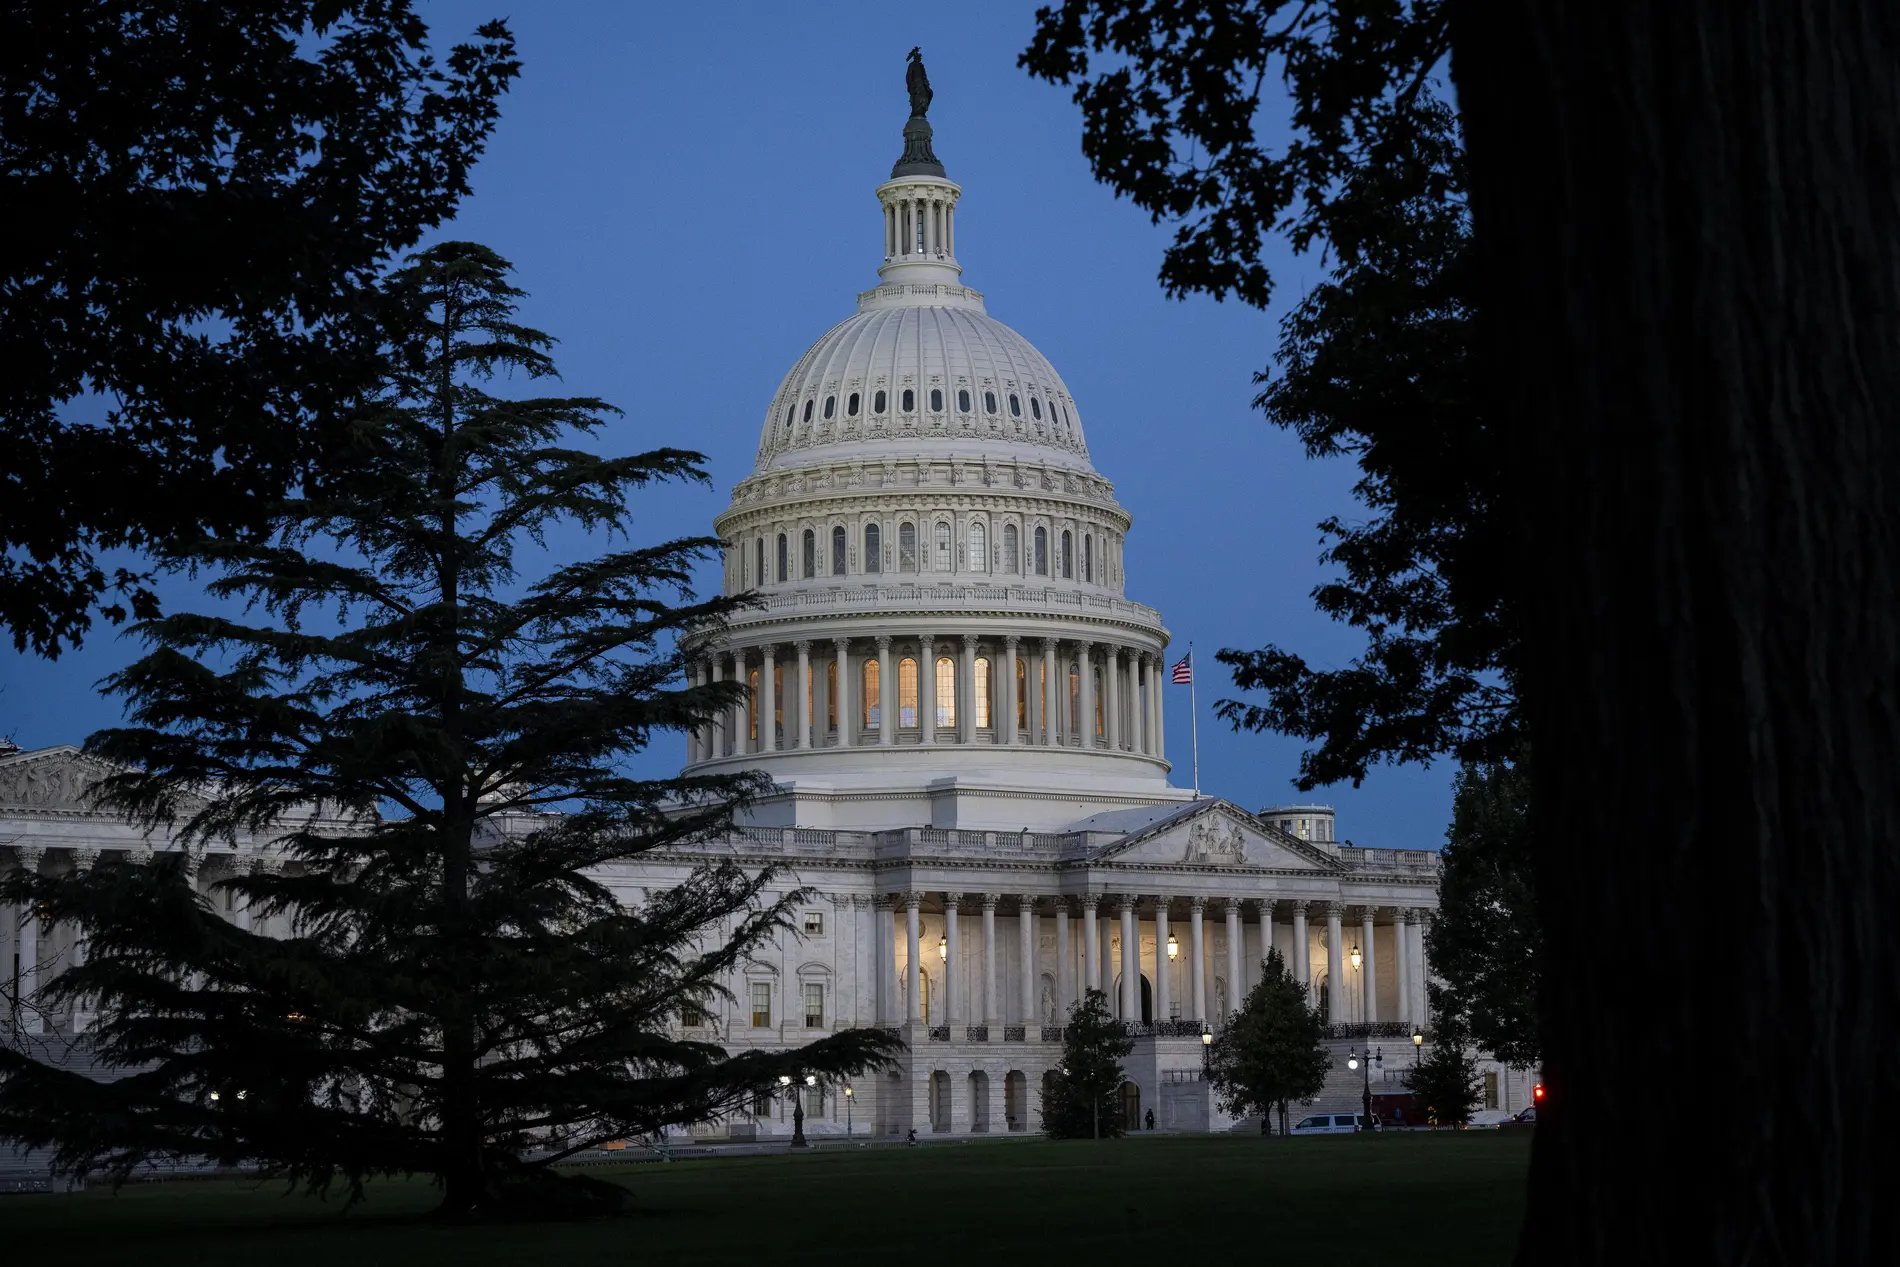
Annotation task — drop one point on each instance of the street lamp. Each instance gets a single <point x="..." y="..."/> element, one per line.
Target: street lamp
<point x="1363" y="1061"/>
<point x="1207" y="1050"/>
<point x="1418" y="1041"/>
<point x="798" y="1108"/>
<point x="847" y="1110"/>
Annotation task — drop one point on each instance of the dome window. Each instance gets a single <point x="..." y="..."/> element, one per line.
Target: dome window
<point x="758" y="573"/>
<point x="837" y="551"/>
<point x="936" y="400"/>
<point x="1068" y="555"/>
<point x="1010" y="543"/>
<point x="1035" y="409"/>
<point x="1042" y="552"/>
<point x="873" y="549"/>
<point x="1015" y="406"/>
<point x="910" y="401"/>
<point x="808" y="411"/>
<point x="877" y="402"/>
<point x="979" y="547"/>
<point x="831" y="406"/>
<point x="963" y="400"/>
<point x="906" y="547"/>
<point x="943" y="548"/>
<point x="851" y="406"/>
<point x="784" y="557"/>
<point x="1088" y="559"/>
<point x="790" y="410"/>
<point x="989" y="402"/>
<point x="808" y="555"/>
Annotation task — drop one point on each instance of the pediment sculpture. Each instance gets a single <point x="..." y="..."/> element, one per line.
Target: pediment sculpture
<point x="1216" y="842"/>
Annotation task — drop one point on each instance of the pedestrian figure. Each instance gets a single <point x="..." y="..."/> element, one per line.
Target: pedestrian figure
<point x="911" y="1139"/>
<point x="1151" y="1119"/>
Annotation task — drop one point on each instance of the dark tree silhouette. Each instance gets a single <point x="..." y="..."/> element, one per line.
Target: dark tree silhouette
<point x="1083" y="1100"/>
<point x="201" y="200"/>
<point x="439" y="744"/>
<point x="1272" y="1050"/>
<point x="1687" y="223"/>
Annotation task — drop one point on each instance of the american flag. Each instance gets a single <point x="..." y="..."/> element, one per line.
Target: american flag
<point x="1184" y="671"/>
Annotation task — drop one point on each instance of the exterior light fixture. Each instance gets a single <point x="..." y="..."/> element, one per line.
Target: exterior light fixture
<point x="785" y="1080"/>
<point x="1418" y="1038"/>
<point x="1174" y="947"/>
<point x="1207" y="1037"/>
<point x="943" y="948"/>
<point x="1352" y="1060"/>
<point x="811" y="1079"/>
<point x="1357" y="958"/>
<point x="214" y="1097"/>
<point x="847" y="1093"/>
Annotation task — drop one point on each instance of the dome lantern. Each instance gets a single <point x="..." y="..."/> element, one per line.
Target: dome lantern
<point x="919" y="203"/>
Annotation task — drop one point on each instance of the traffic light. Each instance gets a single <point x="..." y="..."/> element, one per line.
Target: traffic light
<point x="1537" y="1093"/>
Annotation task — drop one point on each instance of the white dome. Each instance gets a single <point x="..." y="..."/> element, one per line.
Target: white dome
<point x="974" y="387"/>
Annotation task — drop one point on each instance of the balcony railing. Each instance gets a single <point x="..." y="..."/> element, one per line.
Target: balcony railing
<point x="976" y="1033"/>
<point x="939" y="1033"/>
<point x="1052" y="1033"/>
<point x="1013" y="1034"/>
<point x="1372" y="1029"/>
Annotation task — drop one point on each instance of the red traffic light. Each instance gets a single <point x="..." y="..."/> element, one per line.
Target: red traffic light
<point x="1537" y="1092"/>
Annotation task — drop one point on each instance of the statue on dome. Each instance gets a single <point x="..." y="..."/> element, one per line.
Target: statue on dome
<point x="917" y="81"/>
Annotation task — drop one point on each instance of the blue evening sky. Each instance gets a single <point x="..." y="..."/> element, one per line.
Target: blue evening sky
<point x="685" y="191"/>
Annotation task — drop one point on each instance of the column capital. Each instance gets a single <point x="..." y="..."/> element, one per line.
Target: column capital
<point x="1011" y="640"/>
<point x="1334" y="910"/>
<point x="927" y="641"/>
<point x="1049" y="645"/>
<point x="1125" y="902"/>
<point x="991" y="901"/>
<point x="841" y="642"/>
<point x="85" y="859"/>
<point x="802" y="646"/>
<point x="913" y="900"/>
<point x="1407" y="915"/>
<point x="27" y="857"/>
<point x="1163" y="900"/>
<point x="1197" y="904"/>
<point x="883" y="643"/>
<point x="1368" y="914"/>
<point x="952" y="900"/>
<point x="969" y="642"/>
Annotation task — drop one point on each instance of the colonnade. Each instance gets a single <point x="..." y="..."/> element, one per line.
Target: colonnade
<point x="885" y="690"/>
<point x="920" y="220"/>
<point x="1085" y="959"/>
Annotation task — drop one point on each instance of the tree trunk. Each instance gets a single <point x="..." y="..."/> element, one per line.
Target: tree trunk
<point x="1688" y="229"/>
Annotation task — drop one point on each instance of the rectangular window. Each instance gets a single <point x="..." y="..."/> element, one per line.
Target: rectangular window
<point x="906" y="547"/>
<point x="907" y="692"/>
<point x="761" y="1104"/>
<point x="814" y="923"/>
<point x="1022" y="693"/>
<point x="815" y="1101"/>
<point x="761" y="1005"/>
<point x="982" y="693"/>
<point x="946" y="691"/>
<point x="692" y="1017"/>
<point x="870" y="693"/>
<point x="831" y="695"/>
<point x="1491" y="1090"/>
<point x="814" y="1005"/>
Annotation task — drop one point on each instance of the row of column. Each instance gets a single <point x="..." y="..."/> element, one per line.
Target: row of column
<point x="920" y="225"/>
<point x="1097" y="968"/>
<point x="1130" y="714"/>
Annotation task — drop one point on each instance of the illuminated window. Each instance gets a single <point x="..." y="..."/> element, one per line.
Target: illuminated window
<point x="761" y="1005"/>
<point x="1100" y="702"/>
<point x="814" y="1005"/>
<point x="869" y="694"/>
<point x="982" y="693"/>
<point x="946" y="691"/>
<point x="1022" y="694"/>
<point x="752" y="704"/>
<point x="873" y="549"/>
<point x="907" y="692"/>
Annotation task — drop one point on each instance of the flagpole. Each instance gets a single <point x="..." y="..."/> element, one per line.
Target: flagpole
<point x="1194" y="722"/>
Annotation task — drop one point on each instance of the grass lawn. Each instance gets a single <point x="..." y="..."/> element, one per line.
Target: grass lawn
<point x="1433" y="1198"/>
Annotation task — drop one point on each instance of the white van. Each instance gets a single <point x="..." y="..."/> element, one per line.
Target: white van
<point x="1333" y="1124"/>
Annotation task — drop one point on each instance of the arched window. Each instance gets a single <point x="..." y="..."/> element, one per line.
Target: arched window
<point x="1022" y="694"/>
<point x="1015" y="406"/>
<point x="989" y="402"/>
<point x="963" y="399"/>
<point x="831" y="405"/>
<point x="1010" y="541"/>
<point x="907" y="692"/>
<point x="1035" y="409"/>
<point x="946" y="691"/>
<point x="979" y="548"/>
<point x="851" y="405"/>
<point x="873" y="549"/>
<point x="789" y="410"/>
<point x="1068" y="555"/>
<point x="808" y="411"/>
<point x="1065" y="416"/>
<point x="784" y="561"/>
<point x="1101" y="700"/>
<point x="907" y="547"/>
<point x="837" y="550"/>
<point x="809" y="555"/>
<point x="869" y="694"/>
<point x="1075" y="701"/>
<point x="1042" y="552"/>
<point x="936" y="400"/>
<point x="942" y="562"/>
<point x="752" y="704"/>
<point x="983" y="709"/>
<point x="758" y="573"/>
<point x="909" y="400"/>
<point x="877" y="402"/>
<point x="1088" y="559"/>
<point x="831" y="694"/>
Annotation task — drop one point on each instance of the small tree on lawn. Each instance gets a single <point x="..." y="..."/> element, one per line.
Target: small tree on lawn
<point x="1083" y="1100"/>
<point x="1271" y="1050"/>
<point x="439" y="746"/>
<point x="1445" y="1085"/>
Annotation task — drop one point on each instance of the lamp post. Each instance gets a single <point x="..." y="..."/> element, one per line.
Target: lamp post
<point x="1207" y="1050"/>
<point x="847" y="1110"/>
<point x="1363" y="1061"/>
<point x="1418" y="1041"/>
<point x="798" y="1107"/>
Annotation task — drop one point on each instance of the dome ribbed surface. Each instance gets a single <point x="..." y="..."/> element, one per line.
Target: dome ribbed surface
<point x="922" y="348"/>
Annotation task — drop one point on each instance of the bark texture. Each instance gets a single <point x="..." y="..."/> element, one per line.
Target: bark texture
<point x="1688" y="229"/>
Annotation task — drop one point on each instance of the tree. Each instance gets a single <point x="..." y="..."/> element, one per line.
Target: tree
<point x="201" y="201"/>
<point x="439" y="742"/>
<point x="1484" y="944"/>
<point x="1376" y="361"/>
<point x="1271" y="1050"/>
<point x="1084" y="1096"/>
<point x="1688" y="292"/>
<point x="1445" y="1085"/>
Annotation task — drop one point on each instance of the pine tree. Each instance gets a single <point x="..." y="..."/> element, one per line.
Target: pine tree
<point x="438" y="744"/>
<point x="1083" y="1100"/>
<point x="1271" y="1050"/>
<point x="1445" y="1083"/>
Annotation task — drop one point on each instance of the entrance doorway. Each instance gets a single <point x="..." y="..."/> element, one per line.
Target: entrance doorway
<point x="1131" y="1107"/>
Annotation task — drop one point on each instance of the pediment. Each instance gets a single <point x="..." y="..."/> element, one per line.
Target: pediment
<point x="1218" y="835"/>
<point x="50" y="778"/>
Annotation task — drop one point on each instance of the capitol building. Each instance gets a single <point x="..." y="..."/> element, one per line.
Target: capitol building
<point x="960" y="707"/>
